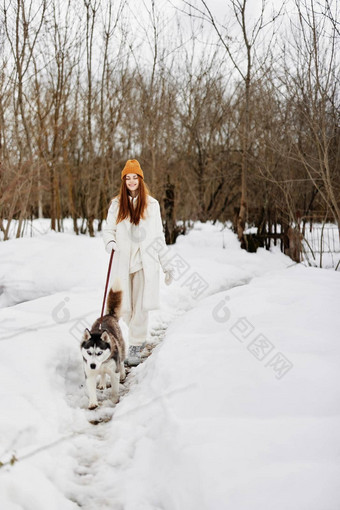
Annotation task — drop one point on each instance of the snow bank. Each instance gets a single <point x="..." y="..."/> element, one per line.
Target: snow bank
<point x="54" y="262"/>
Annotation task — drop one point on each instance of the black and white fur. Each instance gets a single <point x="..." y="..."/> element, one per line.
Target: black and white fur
<point x="103" y="351"/>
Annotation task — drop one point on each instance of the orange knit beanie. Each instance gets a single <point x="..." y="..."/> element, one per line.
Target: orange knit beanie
<point x="132" y="167"/>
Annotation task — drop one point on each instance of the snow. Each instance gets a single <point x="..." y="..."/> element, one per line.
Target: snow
<point x="236" y="408"/>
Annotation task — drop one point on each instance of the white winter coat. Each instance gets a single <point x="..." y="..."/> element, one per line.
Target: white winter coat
<point x="153" y="251"/>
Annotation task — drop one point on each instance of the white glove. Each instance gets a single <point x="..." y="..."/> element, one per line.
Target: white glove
<point x="169" y="276"/>
<point x="112" y="245"/>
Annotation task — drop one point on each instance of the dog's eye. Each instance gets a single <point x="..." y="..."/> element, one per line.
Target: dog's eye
<point x="89" y="353"/>
<point x="99" y="353"/>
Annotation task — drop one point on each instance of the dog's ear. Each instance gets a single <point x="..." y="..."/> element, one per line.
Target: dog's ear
<point x="105" y="336"/>
<point x="86" y="335"/>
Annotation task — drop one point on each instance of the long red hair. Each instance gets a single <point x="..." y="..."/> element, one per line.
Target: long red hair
<point x="126" y="209"/>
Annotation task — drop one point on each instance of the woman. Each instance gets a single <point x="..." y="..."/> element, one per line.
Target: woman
<point x="134" y="231"/>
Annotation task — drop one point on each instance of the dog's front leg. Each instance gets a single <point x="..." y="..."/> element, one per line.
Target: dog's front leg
<point x="114" y="386"/>
<point x="122" y="372"/>
<point x="91" y="389"/>
<point x="102" y="382"/>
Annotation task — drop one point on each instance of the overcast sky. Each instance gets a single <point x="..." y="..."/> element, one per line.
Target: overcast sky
<point x="136" y="21"/>
<point x="221" y="10"/>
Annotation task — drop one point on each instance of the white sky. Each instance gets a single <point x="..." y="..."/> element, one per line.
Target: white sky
<point x="170" y="12"/>
<point x="136" y="21"/>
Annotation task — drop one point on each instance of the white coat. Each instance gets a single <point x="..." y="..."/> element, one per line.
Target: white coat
<point x="149" y="234"/>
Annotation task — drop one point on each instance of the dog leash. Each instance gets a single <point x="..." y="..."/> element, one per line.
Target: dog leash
<point x="105" y="292"/>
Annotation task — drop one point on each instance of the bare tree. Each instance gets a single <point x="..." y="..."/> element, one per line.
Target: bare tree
<point x="312" y="83"/>
<point x="22" y="36"/>
<point x="250" y="37"/>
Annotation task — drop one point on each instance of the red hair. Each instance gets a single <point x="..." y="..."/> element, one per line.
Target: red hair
<point x="126" y="209"/>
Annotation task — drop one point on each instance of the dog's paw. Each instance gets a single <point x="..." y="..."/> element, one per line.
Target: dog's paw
<point x="115" y="400"/>
<point x="104" y="386"/>
<point x="92" y="406"/>
<point x="122" y="375"/>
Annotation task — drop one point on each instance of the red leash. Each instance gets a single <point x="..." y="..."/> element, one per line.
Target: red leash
<point x="107" y="283"/>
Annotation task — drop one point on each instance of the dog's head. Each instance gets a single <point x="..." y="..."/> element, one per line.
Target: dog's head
<point x="95" y="348"/>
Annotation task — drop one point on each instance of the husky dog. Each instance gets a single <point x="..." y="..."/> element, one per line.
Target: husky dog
<point x="103" y="351"/>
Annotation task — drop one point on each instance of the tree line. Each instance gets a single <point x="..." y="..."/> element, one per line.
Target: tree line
<point x="236" y="121"/>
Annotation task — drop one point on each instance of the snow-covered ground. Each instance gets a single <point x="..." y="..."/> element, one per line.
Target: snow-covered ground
<point x="238" y="407"/>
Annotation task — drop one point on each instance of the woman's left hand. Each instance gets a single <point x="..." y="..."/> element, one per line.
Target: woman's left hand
<point x="169" y="276"/>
